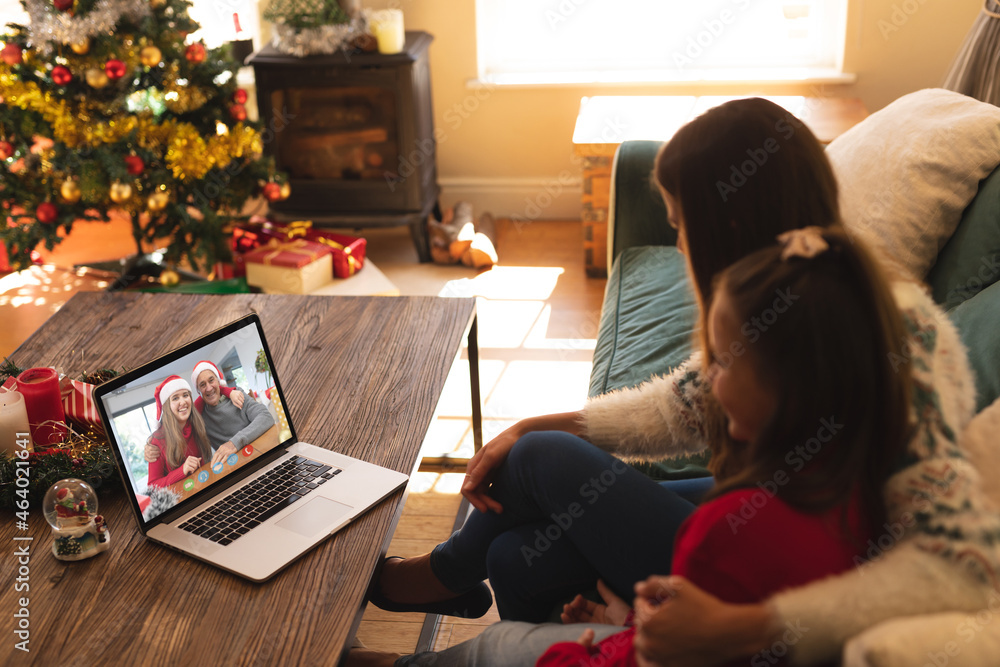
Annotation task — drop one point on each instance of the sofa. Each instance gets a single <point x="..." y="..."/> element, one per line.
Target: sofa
<point x="953" y="244"/>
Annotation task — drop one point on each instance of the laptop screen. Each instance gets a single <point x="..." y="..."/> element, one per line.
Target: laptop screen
<point x="183" y="422"/>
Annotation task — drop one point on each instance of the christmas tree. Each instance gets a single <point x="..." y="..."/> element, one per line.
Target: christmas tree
<point x="105" y="107"/>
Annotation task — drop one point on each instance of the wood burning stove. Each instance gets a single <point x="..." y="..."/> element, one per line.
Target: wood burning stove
<point x="355" y="133"/>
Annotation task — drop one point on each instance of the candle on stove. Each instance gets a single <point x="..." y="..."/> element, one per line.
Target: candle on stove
<point x="40" y="387"/>
<point x="13" y="423"/>
<point x="387" y="27"/>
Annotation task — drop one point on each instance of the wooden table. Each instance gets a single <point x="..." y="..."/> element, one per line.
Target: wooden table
<point x="362" y="376"/>
<point x="605" y="122"/>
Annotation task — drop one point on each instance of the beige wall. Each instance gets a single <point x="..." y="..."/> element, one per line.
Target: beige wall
<point x="503" y="147"/>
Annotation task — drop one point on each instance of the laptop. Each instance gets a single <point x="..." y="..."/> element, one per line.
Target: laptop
<point x="257" y="509"/>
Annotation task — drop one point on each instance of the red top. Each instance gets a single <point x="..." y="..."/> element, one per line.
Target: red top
<point x="160" y="472"/>
<point x="742" y="547"/>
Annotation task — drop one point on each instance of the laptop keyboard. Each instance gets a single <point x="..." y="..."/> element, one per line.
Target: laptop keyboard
<point x="235" y="515"/>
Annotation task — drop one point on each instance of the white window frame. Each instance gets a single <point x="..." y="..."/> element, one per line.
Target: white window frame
<point x="501" y="62"/>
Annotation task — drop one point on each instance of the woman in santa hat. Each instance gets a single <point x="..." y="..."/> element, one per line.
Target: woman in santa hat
<point x="181" y="437"/>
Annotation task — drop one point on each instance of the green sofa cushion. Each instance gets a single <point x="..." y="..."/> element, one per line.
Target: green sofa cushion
<point x="647" y="326"/>
<point x="648" y="318"/>
<point x="978" y="322"/>
<point x="970" y="260"/>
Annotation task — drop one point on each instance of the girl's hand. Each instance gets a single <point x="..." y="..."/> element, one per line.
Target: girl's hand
<point x="191" y="464"/>
<point x="150" y="452"/>
<point x="586" y="640"/>
<point x="237" y="397"/>
<point x="582" y="610"/>
<point x="681" y="625"/>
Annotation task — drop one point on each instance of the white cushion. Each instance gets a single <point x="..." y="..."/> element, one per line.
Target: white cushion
<point x="908" y="171"/>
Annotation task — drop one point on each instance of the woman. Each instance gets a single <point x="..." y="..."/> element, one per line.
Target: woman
<point x="180" y="438"/>
<point x="939" y="535"/>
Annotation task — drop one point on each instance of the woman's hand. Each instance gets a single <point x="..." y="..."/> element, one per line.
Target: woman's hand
<point x="581" y="610"/>
<point x="483" y="466"/>
<point x="191" y="464"/>
<point x="237" y="397"/>
<point x="150" y="452"/>
<point x="678" y="624"/>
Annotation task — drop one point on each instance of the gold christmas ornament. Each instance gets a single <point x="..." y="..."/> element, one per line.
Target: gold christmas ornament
<point x="286" y="191"/>
<point x="96" y="78"/>
<point x="82" y="47"/>
<point x="150" y="56"/>
<point x="157" y="201"/>
<point x="169" y="278"/>
<point x="156" y="4"/>
<point x="120" y="192"/>
<point x="70" y="191"/>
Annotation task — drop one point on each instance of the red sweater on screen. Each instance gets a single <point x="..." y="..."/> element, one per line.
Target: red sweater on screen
<point x="160" y="472"/>
<point x="741" y="547"/>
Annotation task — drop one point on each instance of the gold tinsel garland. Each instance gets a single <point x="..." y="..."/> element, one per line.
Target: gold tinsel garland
<point x="188" y="155"/>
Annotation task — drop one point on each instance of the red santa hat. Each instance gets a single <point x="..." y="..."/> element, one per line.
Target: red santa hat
<point x="166" y="388"/>
<point x="206" y="366"/>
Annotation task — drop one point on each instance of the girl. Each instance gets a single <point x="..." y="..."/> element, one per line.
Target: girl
<point x="180" y="440"/>
<point x="816" y="418"/>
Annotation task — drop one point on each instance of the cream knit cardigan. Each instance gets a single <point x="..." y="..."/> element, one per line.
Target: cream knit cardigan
<point x="941" y="550"/>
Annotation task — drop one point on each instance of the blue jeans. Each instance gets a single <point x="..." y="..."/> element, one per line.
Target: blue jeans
<point x="572" y="513"/>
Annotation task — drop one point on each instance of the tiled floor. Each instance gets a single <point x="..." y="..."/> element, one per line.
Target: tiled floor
<point x="538" y="316"/>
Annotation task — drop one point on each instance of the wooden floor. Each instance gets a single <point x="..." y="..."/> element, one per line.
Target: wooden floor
<point x="538" y="318"/>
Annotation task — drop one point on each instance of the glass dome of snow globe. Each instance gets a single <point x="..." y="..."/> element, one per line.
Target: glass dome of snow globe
<point x="70" y="503"/>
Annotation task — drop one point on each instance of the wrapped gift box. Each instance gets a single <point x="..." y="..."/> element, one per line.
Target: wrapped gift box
<point x="290" y="267"/>
<point x="348" y="251"/>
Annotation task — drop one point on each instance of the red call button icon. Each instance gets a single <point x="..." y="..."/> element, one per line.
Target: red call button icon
<point x="248" y="450"/>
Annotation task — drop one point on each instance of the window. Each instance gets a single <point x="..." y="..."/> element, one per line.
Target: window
<point x="620" y="41"/>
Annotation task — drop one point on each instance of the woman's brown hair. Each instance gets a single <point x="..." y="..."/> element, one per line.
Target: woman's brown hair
<point x="742" y="173"/>
<point x="843" y="398"/>
<point x="176" y="445"/>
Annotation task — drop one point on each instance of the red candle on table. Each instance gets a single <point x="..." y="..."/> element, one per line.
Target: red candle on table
<point x="40" y="388"/>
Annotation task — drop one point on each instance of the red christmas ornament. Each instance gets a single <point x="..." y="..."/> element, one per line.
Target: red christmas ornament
<point x="195" y="53"/>
<point x="238" y="112"/>
<point x="134" y="165"/>
<point x="62" y="5"/>
<point x="240" y="96"/>
<point x="61" y="75"/>
<point x="272" y="192"/>
<point x="46" y="213"/>
<point x="12" y="55"/>
<point x="6" y="150"/>
<point x="115" y="69"/>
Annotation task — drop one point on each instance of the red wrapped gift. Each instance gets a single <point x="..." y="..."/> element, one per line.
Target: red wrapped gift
<point x="289" y="267"/>
<point x="348" y="251"/>
<point x="78" y="402"/>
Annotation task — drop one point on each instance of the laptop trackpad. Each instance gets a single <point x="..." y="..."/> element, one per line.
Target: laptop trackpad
<point x="314" y="515"/>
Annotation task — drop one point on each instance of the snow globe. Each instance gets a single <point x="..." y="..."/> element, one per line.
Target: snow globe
<point x="78" y="531"/>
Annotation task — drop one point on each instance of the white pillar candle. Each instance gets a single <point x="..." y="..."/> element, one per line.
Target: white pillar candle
<point x="387" y="27"/>
<point x="13" y="423"/>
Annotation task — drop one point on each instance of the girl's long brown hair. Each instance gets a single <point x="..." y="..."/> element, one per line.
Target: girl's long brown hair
<point x="176" y="445"/>
<point x="843" y="397"/>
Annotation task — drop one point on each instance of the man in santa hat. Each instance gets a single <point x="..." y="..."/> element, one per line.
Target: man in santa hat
<point x="232" y="419"/>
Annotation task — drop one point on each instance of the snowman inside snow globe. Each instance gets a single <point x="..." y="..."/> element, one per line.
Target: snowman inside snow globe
<point x="78" y="531"/>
